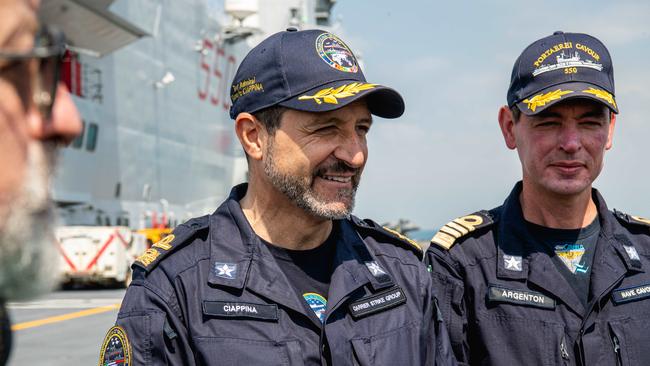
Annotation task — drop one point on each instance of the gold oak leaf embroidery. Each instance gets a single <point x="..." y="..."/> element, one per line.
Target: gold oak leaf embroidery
<point x="541" y="99"/>
<point x="602" y="95"/>
<point x="332" y="96"/>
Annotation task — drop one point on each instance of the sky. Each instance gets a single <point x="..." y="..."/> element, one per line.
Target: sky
<point x="451" y="61"/>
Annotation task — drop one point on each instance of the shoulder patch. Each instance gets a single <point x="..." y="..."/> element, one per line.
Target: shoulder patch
<point x="116" y="348"/>
<point x="396" y="237"/>
<point x="178" y="238"/>
<point x="630" y="219"/>
<point x="457" y="228"/>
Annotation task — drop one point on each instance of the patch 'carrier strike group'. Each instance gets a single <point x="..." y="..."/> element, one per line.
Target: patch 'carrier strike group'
<point x="151" y="80"/>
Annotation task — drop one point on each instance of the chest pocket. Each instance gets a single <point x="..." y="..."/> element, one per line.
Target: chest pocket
<point x="515" y="326"/>
<point x="235" y="351"/>
<point x="630" y="339"/>
<point x="244" y="333"/>
<point x="396" y="347"/>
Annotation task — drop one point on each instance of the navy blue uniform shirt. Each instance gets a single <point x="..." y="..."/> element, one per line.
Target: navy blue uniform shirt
<point x="5" y="334"/>
<point x="214" y="295"/>
<point x="505" y="302"/>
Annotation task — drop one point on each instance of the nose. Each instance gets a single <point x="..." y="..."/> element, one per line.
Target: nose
<point x="570" y="139"/>
<point x="352" y="150"/>
<point x="64" y="124"/>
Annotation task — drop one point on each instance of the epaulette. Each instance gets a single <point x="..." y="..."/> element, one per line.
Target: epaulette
<point x="631" y="220"/>
<point x="392" y="235"/>
<point x="457" y="228"/>
<point x="177" y="239"/>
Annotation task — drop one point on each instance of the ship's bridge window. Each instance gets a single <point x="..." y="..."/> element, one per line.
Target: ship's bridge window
<point x="78" y="142"/>
<point x="91" y="139"/>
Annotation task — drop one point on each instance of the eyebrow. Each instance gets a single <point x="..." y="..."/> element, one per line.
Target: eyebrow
<point x="319" y="121"/>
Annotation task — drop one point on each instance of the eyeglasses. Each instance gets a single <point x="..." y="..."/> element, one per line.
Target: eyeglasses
<point x="35" y="74"/>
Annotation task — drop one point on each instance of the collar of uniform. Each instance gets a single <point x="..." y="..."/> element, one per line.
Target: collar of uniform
<point x="510" y="240"/>
<point x="232" y="240"/>
<point x="536" y="267"/>
<point x="614" y="234"/>
<point x="353" y="255"/>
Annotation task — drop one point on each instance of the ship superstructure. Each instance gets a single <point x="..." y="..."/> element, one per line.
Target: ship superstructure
<point x="151" y="81"/>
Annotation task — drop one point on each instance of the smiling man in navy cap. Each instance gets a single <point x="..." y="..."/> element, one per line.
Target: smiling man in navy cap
<point x="551" y="277"/>
<point x="282" y="273"/>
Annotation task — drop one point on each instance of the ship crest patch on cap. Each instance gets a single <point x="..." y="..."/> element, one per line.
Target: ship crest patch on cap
<point x="336" y="53"/>
<point x="568" y="59"/>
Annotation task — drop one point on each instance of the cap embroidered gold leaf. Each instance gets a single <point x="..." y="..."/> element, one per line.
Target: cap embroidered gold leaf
<point x="541" y="99"/>
<point x="602" y="95"/>
<point x="331" y="95"/>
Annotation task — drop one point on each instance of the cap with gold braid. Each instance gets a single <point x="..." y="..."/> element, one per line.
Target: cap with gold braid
<point x="312" y="71"/>
<point x="560" y="67"/>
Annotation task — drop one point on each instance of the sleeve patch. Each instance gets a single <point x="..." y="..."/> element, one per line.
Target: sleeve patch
<point x="457" y="228"/>
<point x="116" y="348"/>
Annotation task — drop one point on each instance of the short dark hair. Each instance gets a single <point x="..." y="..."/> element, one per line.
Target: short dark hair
<point x="270" y="117"/>
<point x="516" y="113"/>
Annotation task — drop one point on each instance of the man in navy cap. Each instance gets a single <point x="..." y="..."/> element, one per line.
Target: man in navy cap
<point x="551" y="277"/>
<point x="282" y="273"/>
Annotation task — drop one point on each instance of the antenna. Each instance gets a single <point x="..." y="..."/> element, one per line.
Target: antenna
<point x="240" y="10"/>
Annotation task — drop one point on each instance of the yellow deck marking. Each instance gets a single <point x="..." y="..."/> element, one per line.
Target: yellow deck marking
<point x="64" y="317"/>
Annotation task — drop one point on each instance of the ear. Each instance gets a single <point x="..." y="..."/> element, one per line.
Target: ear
<point x="250" y="134"/>
<point x="610" y="133"/>
<point x="507" y="124"/>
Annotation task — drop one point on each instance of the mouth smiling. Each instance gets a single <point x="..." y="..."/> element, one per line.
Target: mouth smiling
<point x="337" y="178"/>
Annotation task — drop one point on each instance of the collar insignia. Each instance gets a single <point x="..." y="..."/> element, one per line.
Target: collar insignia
<point x="225" y="270"/>
<point x="512" y="262"/>
<point x="375" y="269"/>
<point x="632" y="253"/>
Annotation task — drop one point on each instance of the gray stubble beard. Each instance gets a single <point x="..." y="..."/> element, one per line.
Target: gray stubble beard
<point x="299" y="191"/>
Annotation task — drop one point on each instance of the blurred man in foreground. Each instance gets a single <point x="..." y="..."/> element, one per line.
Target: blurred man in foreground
<point x="36" y="116"/>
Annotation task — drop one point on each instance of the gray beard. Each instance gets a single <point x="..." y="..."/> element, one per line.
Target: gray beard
<point x="299" y="191"/>
<point x="29" y="262"/>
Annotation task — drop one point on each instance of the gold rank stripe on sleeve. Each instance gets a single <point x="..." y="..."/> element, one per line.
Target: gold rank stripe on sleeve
<point x="457" y="228"/>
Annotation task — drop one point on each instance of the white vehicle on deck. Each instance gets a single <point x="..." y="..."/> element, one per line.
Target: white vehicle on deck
<point x="101" y="254"/>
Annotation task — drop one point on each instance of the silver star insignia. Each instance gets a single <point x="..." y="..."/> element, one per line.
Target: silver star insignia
<point x="225" y="270"/>
<point x="512" y="262"/>
<point x="631" y="252"/>
<point x="375" y="269"/>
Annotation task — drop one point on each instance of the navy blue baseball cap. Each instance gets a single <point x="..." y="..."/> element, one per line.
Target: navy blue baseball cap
<point x="311" y="71"/>
<point x="559" y="67"/>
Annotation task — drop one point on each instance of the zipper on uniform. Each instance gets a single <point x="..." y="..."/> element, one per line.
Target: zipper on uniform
<point x="617" y="349"/>
<point x="563" y="349"/>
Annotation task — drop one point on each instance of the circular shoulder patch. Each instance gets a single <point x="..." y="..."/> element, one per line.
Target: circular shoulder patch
<point x="116" y="349"/>
<point x="336" y="53"/>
